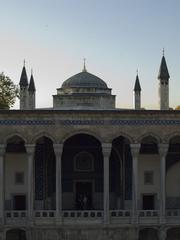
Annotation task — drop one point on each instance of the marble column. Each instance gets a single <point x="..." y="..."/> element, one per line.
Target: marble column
<point x="162" y="233"/>
<point x="135" y="154"/>
<point x="163" y="149"/>
<point x="2" y="189"/>
<point x="58" y="149"/>
<point x="30" y="149"/>
<point x="106" y="150"/>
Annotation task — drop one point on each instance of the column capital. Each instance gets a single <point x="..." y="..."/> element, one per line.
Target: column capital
<point x="135" y="147"/>
<point x="58" y="147"/>
<point x="106" y="148"/>
<point x="163" y="149"/>
<point x="2" y="149"/>
<point x="30" y="148"/>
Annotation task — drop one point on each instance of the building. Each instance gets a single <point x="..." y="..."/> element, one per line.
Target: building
<point x="85" y="169"/>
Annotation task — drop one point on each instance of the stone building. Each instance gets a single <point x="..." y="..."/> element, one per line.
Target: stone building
<point x="85" y="169"/>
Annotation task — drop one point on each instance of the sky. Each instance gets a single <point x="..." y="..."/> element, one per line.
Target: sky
<point x="116" y="37"/>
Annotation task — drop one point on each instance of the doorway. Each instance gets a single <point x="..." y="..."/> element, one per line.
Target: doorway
<point x="148" y="202"/>
<point x="83" y="195"/>
<point x="19" y="202"/>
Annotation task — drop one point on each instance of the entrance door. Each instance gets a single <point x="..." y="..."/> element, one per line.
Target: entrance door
<point x="83" y="195"/>
<point x="19" y="202"/>
<point x="148" y="202"/>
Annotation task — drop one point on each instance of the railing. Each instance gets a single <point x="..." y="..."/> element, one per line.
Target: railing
<point x="15" y="217"/>
<point x="120" y="216"/>
<point x="15" y="214"/>
<point x="82" y="214"/>
<point x="173" y="213"/>
<point x="148" y="217"/>
<point x="44" y="214"/>
<point x="148" y="213"/>
<point x="120" y="213"/>
<point x="90" y="216"/>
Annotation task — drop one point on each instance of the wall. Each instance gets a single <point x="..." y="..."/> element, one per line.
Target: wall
<point x="149" y="162"/>
<point x="15" y="163"/>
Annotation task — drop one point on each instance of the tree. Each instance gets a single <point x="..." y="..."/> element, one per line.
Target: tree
<point x="8" y="92"/>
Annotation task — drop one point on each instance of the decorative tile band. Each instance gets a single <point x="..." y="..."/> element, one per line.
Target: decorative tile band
<point x="128" y="122"/>
<point x="26" y="122"/>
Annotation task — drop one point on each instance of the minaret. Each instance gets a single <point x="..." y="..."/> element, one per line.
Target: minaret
<point x="32" y="93"/>
<point x="23" y="89"/>
<point x="137" y="94"/>
<point x="163" y="77"/>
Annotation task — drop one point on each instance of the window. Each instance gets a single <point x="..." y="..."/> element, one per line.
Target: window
<point x="148" y="177"/>
<point x="19" y="178"/>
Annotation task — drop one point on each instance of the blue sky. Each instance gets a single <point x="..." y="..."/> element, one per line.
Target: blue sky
<point x="115" y="36"/>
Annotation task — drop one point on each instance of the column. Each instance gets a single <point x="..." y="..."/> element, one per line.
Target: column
<point x="163" y="149"/>
<point x="106" y="149"/>
<point x="30" y="149"/>
<point x="135" y="154"/>
<point x="162" y="233"/>
<point x="2" y="189"/>
<point x="58" y="149"/>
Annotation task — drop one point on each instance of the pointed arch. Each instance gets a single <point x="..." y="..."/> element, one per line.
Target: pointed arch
<point x="169" y="137"/>
<point x="86" y="132"/>
<point x="124" y="135"/>
<point x="12" y="135"/>
<point x="42" y="134"/>
<point x="151" y="135"/>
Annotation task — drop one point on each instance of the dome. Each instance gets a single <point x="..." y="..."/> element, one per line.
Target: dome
<point x="84" y="79"/>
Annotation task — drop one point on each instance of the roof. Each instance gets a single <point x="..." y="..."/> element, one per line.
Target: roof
<point x="23" y="79"/>
<point x="163" y="70"/>
<point x="84" y="79"/>
<point x="31" y="84"/>
<point x="137" y="86"/>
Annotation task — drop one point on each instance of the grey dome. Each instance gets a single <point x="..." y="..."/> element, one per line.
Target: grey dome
<point x="84" y="80"/>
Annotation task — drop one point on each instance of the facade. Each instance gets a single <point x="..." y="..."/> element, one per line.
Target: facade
<point x="85" y="169"/>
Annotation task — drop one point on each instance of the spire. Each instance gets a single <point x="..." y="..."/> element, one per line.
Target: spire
<point x="31" y="83"/>
<point x="23" y="79"/>
<point x="137" y="86"/>
<point x="84" y="67"/>
<point x="163" y="70"/>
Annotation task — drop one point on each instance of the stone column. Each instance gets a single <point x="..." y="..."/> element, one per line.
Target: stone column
<point x="30" y="149"/>
<point x="106" y="149"/>
<point x="135" y="153"/>
<point x="163" y="149"/>
<point x="162" y="233"/>
<point x="58" y="149"/>
<point x="2" y="189"/>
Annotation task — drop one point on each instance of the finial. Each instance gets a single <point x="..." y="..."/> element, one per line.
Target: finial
<point x="24" y="62"/>
<point x="84" y="68"/>
<point x="31" y="71"/>
<point x="163" y="52"/>
<point x="137" y="71"/>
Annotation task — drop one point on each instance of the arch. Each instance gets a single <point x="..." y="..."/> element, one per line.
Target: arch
<point x="175" y="139"/>
<point x="151" y="135"/>
<point x="16" y="233"/>
<point x="169" y="137"/>
<point x="148" y="234"/>
<point x="124" y="135"/>
<point x="42" y="134"/>
<point x="85" y="132"/>
<point x="77" y="184"/>
<point x="173" y="233"/>
<point x="8" y="137"/>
